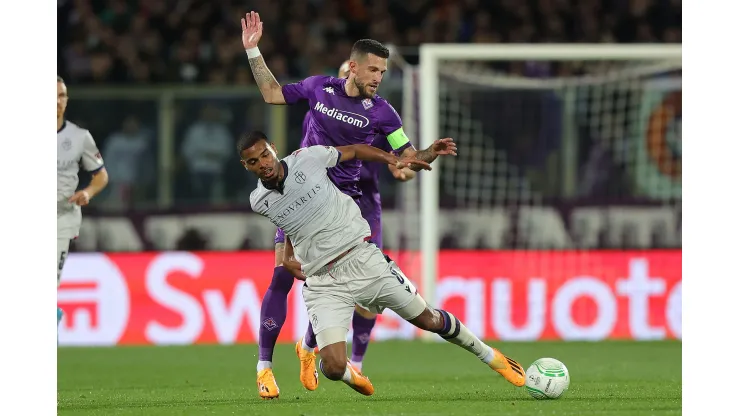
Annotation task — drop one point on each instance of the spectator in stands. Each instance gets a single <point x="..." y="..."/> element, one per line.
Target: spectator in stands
<point x="207" y="146"/>
<point x="130" y="163"/>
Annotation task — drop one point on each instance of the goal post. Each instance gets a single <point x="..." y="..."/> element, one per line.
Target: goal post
<point x="431" y="60"/>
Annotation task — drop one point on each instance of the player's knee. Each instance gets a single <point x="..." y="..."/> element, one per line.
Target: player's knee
<point x="332" y="367"/>
<point x="333" y="357"/>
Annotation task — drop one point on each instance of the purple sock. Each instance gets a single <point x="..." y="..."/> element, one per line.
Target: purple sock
<point x="273" y="311"/>
<point x="361" y="327"/>
<point x="310" y="337"/>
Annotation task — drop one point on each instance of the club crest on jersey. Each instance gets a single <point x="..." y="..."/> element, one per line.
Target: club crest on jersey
<point x="367" y="103"/>
<point x="300" y="177"/>
<point x="66" y="144"/>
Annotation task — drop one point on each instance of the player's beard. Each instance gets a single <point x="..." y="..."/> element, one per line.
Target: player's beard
<point x="362" y="88"/>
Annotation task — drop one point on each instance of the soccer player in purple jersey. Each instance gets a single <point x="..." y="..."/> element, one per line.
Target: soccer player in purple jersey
<point x="370" y="207"/>
<point x="343" y="112"/>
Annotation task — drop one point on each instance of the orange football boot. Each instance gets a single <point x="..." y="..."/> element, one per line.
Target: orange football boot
<point x="267" y="385"/>
<point x="309" y="376"/>
<point x="512" y="371"/>
<point x="360" y="383"/>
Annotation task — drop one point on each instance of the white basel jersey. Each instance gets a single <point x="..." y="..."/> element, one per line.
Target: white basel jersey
<point x="320" y="220"/>
<point x="75" y="148"/>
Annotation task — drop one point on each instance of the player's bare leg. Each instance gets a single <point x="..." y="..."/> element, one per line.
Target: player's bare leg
<point x="452" y="330"/>
<point x="272" y="317"/>
<point x="363" y="322"/>
<point x="335" y="366"/>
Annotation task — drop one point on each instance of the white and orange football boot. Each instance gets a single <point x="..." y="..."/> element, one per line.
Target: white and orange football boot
<point x="266" y="384"/>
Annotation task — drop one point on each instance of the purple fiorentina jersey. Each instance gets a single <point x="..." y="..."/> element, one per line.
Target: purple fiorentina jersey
<point x="369" y="202"/>
<point x="339" y="120"/>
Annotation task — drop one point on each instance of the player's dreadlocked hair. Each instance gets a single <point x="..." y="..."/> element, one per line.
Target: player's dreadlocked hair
<point x="248" y="140"/>
<point x="363" y="47"/>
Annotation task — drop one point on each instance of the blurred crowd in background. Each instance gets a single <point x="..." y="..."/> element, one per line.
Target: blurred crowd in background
<point x="198" y="41"/>
<point x="137" y="43"/>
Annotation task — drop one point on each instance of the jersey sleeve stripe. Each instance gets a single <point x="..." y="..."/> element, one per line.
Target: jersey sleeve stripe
<point x="96" y="169"/>
<point x="339" y="157"/>
<point x="397" y="138"/>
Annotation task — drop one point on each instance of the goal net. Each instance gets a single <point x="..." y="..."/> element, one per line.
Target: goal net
<point x="564" y="201"/>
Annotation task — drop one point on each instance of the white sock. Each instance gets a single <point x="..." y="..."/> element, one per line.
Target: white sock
<point x="305" y="346"/>
<point x="347" y="377"/>
<point x="261" y="365"/>
<point x="461" y="336"/>
<point x="489" y="356"/>
<point x="356" y="364"/>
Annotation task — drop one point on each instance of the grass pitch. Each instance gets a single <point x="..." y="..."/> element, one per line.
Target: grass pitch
<point x="410" y="378"/>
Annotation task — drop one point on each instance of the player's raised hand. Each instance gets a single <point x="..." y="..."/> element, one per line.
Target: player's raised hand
<point x="80" y="198"/>
<point x="445" y="146"/>
<point x="411" y="162"/>
<point x="251" y="30"/>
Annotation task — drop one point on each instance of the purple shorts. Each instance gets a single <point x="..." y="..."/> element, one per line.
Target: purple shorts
<point x="376" y="234"/>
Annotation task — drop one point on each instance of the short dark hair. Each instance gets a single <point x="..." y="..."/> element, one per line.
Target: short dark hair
<point x="248" y="140"/>
<point x="363" y="47"/>
<point x="59" y="79"/>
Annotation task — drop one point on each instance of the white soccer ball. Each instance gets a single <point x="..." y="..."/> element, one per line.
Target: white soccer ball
<point x="547" y="378"/>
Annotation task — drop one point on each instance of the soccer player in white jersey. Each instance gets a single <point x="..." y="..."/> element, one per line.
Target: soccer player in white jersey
<point x="342" y="112"/>
<point x="327" y="246"/>
<point x="75" y="148"/>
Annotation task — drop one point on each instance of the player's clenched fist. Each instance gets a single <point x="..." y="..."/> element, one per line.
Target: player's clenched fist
<point x="251" y="30"/>
<point x="80" y="198"/>
<point x="294" y="268"/>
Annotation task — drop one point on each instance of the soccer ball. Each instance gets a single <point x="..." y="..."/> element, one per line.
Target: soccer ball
<point x="547" y="378"/>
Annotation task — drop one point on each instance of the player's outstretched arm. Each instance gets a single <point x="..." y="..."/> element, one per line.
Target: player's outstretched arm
<point x="373" y="154"/>
<point x="271" y="90"/>
<point x="440" y="147"/>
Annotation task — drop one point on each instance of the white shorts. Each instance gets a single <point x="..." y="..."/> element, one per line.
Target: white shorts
<point x="361" y="277"/>
<point x="62" y="251"/>
<point x="68" y="223"/>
